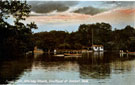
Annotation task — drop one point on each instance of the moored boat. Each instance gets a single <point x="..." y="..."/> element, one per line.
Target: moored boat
<point x="72" y="55"/>
<point x="131" y="53"/>
<point x="59" y="55"/>
<point x="68" y="54"/>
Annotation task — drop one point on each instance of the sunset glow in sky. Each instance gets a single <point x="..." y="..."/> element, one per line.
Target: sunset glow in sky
<point x="68" y="15"/>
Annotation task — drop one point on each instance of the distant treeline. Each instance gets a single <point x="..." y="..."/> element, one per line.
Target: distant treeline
<point x="101" y="33"/>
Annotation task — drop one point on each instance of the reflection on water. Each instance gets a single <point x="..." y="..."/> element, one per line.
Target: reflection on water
<point x="98" y="68"/>
<point x="12" y="69"/>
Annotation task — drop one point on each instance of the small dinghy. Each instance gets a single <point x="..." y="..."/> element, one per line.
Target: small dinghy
<point x="59" y="55"/>
<point x="72" y="55"/>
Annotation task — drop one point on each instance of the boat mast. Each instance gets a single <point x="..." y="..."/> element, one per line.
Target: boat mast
<point x="92" y="36"/>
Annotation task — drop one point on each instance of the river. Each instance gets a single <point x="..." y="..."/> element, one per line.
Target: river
<point x="90" y="69"/>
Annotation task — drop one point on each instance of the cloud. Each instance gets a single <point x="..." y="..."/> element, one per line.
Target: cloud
<point x="115" y="15"/>
<point x="49" y="6"/>
<point x="89" y="10"/>
<point x="122" y="4"/>
<point x="118" y="18"/>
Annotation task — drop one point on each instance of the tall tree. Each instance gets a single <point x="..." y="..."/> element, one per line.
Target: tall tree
<point x="15" y="38"/>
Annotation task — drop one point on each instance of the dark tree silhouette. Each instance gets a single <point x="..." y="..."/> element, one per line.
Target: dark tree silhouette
<point x="15" y="38"/>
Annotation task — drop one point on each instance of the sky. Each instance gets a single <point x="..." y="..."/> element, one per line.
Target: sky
<point x="68" y="15"/>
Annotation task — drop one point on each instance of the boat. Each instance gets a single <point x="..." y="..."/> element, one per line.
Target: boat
<point x="59" y="55"/>
<point x="131" y="53"/>
<point x="72" y="55"/>
<point x="68" y="55"/>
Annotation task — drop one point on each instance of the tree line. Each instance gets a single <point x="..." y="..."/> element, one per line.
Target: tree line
<point x="98" y="33"/>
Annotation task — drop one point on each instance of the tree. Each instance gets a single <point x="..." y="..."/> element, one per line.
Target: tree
<point x="99" y="33"/>
<point x="124" y="39"/>
<point x="15" y="38"/>
<point x="50" y="40"/>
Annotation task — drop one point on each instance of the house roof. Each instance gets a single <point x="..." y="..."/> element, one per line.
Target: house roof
<point x="93" y="46"/>
<point x="97" y="45"/>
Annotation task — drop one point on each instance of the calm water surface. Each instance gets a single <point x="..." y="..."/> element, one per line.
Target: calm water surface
<point x="94" y="68"/>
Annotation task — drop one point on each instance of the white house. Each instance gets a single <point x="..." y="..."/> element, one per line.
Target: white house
<point x="99" y="48"/>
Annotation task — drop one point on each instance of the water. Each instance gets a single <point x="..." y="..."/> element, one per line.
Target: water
<point x="90" y="69"/>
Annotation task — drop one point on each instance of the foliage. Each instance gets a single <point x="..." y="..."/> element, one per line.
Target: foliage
<point x="15" y="38"/>
<point x="50" y="40"/>
<point x="123" y="39"/>
<point x="103" y="34"/>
